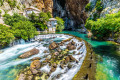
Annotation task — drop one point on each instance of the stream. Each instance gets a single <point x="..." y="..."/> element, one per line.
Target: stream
<point x="109" y="69"/>
<point x="10" y="65"/>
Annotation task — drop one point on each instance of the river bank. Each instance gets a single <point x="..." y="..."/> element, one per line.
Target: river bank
<point x="109" y="68"/>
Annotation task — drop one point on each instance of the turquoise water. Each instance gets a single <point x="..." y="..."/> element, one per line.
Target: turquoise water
<point x="109" y="69"/>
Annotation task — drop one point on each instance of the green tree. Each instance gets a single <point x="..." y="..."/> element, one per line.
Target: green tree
<point x="6" y="35"/>
<point x="60" y="24"/>
<point x="32" y="17"/>
<point x="43" y="17"/>
<point x="10" y="20"/>
<point x="24" y="30"/>
<point x="104" y="28"/>
<point x="99" y="6"/>
<point x="12" y="3"/>
<point x="88" y="7"/>
<point x="49" y="14"/>
<point x="0" y="13"/>
<point x="1" y="2"/>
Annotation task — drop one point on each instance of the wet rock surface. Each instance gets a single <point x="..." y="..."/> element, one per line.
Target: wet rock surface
<point x="71" y="46"/>
<point x="57" y="58"/>
<point x="53" y="45"/>
<point x="29" y="53"/>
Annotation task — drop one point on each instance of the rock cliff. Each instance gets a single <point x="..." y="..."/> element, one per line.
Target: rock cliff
<point x="72" y="11"/>
<point x="16" y="6"/>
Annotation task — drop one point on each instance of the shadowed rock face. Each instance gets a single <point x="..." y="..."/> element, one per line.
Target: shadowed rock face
<point x="77" y="10"/>
<point x="72" y="11"/>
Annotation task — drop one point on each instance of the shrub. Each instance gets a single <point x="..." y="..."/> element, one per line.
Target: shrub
<point x="88" y="7"/>
<point x="104" y="27"/>
<point x="1" y="2"/>
<point x="24" y="30"/>
<point x="49" y="14"/>
<point x="0" y="11"/>
<point x="9" y="20"/>
<point x="43" y="17"/>
<point x="99" y="6"/>
<point x="33" y="17"/>
<point x="6" y="35"/>
<point x="60" y="24"/>
<point x="12" y="3"/>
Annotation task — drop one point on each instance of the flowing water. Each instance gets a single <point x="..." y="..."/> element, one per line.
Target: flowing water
<point x="10" y="65"/>
<point x="109" y="69"/>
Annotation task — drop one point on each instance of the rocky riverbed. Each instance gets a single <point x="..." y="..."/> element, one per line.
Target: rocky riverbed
<point x="61" y="60"/>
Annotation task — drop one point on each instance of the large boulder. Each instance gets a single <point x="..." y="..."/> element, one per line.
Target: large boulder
<point x="34" y="71"/>
<point x="35" y="64"/>
<point x="22" y="76"/>
<point x="29" y="53"/>
<point x="53" y="45"/>
<point x="71" y="46"/>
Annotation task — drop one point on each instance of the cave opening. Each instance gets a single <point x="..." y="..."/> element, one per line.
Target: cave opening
<point x="62" y="3"/>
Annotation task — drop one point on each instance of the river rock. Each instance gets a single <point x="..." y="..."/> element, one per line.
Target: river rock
<point x="58" y="76"/>
<point x="69" y="66"/>
<point x="56" y="53"/>
<point x="62" y="66"/>
<point x="71" y="46"/>
<point x="54" y="65"/>
<point x="29" y="53"/>
<point x="52" y="69"/>
<point x="72" y="58"/>
<point x="74" y="52"/>
<point x="59" y="50"/>
<point x="53" y="45"/>
<point x="73" y="43"/>
<point x="67" y="59"/>
<point x="30" y="77"/>
<point x="35" y="64"/>
<point x="35" y="58"/>
<point x="34" y="71"/>
<point x="46" y="51"/>
<point x="22" y="76"/>
<point x="80" y="47"/>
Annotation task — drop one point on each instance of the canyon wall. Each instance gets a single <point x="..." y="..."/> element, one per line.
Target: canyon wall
<point x="72" y="11"/>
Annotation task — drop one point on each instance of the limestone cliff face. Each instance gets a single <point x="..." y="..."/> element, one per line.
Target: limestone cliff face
<point x="44" y="5"/>
<point x="77" y="9"/>
<point x="72" y="11"/>
<point x="109" y="7"/>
